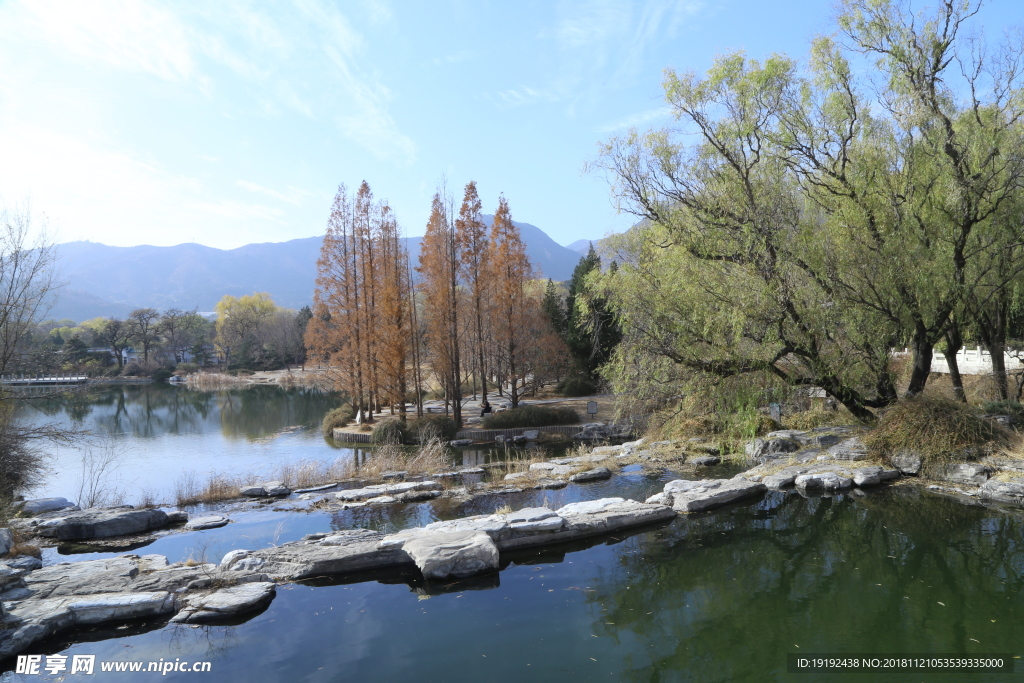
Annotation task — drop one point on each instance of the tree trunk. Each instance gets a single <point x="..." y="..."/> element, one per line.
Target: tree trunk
<point x="922" y="349"/>
<point x="955" y="342"/>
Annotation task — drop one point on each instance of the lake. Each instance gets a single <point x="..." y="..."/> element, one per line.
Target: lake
<point x="718" y="596"/>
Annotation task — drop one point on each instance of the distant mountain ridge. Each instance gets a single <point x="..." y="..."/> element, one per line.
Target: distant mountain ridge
<point x="111" y="281"/>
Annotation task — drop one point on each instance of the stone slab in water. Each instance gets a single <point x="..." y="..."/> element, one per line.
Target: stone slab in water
<point x="102" y="523"/>
<point x="453" y="554"/>
<point x="705" y="460"/>
<point x="596" y="474"/>
<point x="829" y="481"/>
<point x="269" y="488"/>
<point x="386" y="490"/>
<point x="227" y="603"/>
<point x="693" y="496"/>
<point x="208" y="522"/>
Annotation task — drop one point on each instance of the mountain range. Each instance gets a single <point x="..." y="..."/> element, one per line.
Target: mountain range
<point x="101" y="280"/>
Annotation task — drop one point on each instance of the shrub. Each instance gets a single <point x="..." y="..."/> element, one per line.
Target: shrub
<point x="429" y="427"/>
<point x="576" y="386"/>
<point x="388" y="431"/>
<point x="937" y="429"/>
<point x="1014" y="408"/>
<point x="531" y="416"/>
<point x="162" y="374"/>
<point x="339" y="417"/>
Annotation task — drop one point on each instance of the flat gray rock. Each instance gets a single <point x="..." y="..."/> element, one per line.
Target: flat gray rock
<point x="268" y="488"/>
<point x="596" y="474"/>
<point x="693" y="496"/>
<point x="849" y="449"/>
<point x="38" y="506"/>
<point x="705" y="460"/>
<point x="454" y="554"/>
<point x="966" y="473"/>
<point x="1011" y="491"/>
<point x="226" y="603"/>
<point x="829" y="481"/>
<point x="208" y="522"/>
<point x="102" y="523"/>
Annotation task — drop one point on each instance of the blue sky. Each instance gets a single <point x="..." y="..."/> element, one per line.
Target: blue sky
<point x="228" y="122"/>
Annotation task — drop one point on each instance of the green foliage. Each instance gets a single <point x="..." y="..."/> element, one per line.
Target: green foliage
<point x="590" y="329"/>
<point x="937" y="429"/>
<point x="792" y="226"/>
<point x="338" y="417"/>
<point x="1014" y="408"/>
<point x="577" y="386"/>
<point x="429" y="427"/>
<point x="162" y="374"/>
<point x="531" y="416"/>
<point x="388" y="430"/>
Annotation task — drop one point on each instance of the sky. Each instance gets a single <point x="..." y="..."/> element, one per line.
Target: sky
<point x="226" y="123"/>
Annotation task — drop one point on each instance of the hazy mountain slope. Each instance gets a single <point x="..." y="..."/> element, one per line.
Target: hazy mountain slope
<point x="104" y="280"/>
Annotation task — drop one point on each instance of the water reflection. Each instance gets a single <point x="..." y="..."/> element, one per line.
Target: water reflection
<point x="155" y="410"/>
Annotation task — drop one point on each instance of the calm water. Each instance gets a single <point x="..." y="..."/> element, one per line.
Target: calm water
<point x="722" y="596"/>
<point x="715" y="597"/>
<point x="160" y="432"/>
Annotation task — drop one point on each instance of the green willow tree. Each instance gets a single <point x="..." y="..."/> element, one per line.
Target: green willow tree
<point x="804" y="235"/>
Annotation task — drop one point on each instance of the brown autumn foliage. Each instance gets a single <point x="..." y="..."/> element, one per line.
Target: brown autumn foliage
<point x="510" y="305"/>
<point x="439" y="284"/>
<point x="359" y="333"/>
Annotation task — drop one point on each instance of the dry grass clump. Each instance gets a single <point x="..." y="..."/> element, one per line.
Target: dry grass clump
<point x="938" y="430"/>
<point x="818" y="417"/>
<point x="427" y="459"/>
<point x="210" y="381"/>
<point x="19" y="549"/>
<point x="188" y="490"/>
<point x="310" y="473"/>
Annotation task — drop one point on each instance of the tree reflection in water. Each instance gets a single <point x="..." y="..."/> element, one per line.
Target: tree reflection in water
<point x="725" y="595"/>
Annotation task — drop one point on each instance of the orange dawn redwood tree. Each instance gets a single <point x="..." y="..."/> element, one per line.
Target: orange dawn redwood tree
<point x="359" y="330"/>
<point x="509" y="273"/>
<point x="439" y="283"/>
<point x="474" y="252"/>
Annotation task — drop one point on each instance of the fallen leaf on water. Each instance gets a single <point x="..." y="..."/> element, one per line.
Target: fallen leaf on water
<point x="941" y="603"/>
<point x="977" y="641"/>
<point x="592" y="659"/>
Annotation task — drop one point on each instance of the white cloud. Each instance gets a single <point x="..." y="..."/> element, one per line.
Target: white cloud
<point x="292" y="195"/>
<point x="638" y="119"/>
<point x="133" y="35"/>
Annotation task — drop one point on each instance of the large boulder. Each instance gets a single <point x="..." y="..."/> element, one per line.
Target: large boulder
<point x="594" y="431"/>
<point x="6" y="541"/>
<point x="454" y="554"/>
<point x="772" y="446"/>
<point x="907" y="462"/>
<point x="102" y="523"/>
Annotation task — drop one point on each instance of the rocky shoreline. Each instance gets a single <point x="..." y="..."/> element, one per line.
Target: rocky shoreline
<point x="38" y="602"/>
